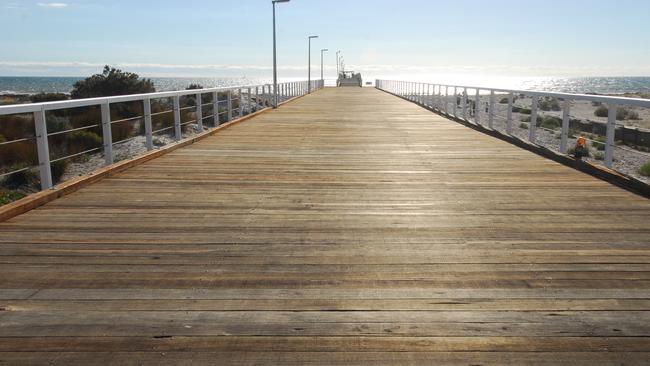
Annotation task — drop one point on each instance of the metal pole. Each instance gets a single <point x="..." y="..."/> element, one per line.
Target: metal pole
<point x="321" y="64"/>
<point x="275" y="65"/>
<point x="309" y="65"/>
<point x="275" y="59"/>
<point x="337" y="67"/>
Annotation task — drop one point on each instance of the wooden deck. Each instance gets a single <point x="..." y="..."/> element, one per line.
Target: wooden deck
<point x="348" y="227"/>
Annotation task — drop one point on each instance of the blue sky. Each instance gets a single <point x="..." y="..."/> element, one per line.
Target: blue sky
<point x="380" y="38"/>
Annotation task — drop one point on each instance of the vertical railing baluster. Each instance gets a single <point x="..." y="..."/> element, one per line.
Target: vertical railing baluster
<point x="177" y="118"/>
<point x="199" y="112"/>
<point x="148" y="128"/>
<point x="509" y="114"/>
<point x="610" y="135"/>
<point x="532" y="126"/>
<point x="455" y="102"/>
<point x="491" y="110"/>
<point x="566" y="110"/>
<point x="43" y="150"/>
<point x="241" y="102"/>
<point x="229" y="113"/>
<point x="446" y="99"/>
<point x="465" y="103"/>
<point x="215" y="109"/>
<point x="107" y="133"/>
<point x="250" y="101"/>
<point x="477" y="107"/>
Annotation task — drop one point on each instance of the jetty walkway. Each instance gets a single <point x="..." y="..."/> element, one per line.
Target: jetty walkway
<point x="347" y="227"/>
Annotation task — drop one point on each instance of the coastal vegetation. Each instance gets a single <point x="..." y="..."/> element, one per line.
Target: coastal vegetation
<point x="645" y="169"/>
<point x="549" y="104"/>
<point x="82" y="125"/>
<point x="622" y="113"/>
<point x="75" y="134"/>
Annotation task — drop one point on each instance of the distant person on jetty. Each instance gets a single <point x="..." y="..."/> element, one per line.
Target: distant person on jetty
<point x="579" y="151"/>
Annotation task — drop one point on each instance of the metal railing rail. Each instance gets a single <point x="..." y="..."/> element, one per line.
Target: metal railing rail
<point x="437" y="97"/>
<point x="250" y="98"/>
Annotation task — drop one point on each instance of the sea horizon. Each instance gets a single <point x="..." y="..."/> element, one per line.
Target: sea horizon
<point x="583" y="84"/>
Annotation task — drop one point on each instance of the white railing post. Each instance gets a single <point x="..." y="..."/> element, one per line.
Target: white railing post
<point x="456" y="100"/>
<point x="532" y="126"/>
<point x="250" y="101"/>
<point x="491" y="110"/>
<point x="465" y="104"/>
<point x="177" y="118"/>
<point x="610" y="134"/>
<point x="566" y="110"/>
<point x="148" y="128"/>
<point x="199" y="112"/>
<point x="107" y="133"/>
<point x="241" y="103"/>
<point x="477" y="107"/>
<point x="229" y="115"/>
<point x="43" y="148"/>
<point x="215" y="109"/>
<point x="509" y="114"/>
<point x="446" y="98"/>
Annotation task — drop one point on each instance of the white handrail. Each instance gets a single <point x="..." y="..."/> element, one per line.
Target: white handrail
<point x="437" y="98"/>
<point x="285" y="91"/>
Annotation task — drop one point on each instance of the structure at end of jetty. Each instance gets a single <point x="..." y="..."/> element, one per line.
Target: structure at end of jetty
<point x="349" y="78"/>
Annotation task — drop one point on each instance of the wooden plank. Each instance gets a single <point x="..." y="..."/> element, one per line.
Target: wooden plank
<point x="348" y="227"/>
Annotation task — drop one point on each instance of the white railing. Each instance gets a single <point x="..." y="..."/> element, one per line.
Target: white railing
<point x="466" y="103"/>
<point x="222" y="105"/>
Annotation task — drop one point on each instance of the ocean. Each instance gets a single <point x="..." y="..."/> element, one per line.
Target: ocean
<point x="600" y="85"/>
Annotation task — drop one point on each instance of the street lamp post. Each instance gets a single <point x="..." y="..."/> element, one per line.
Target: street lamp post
<point x="309" y="65"/>
<point x="322" y="80"/>
<point x="275" y="59"/>
<point x="337" y="66"/>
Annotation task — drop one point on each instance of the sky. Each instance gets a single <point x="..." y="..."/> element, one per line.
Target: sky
<point x="380" y="38"/>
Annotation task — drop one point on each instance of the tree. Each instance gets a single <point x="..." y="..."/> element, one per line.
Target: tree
<point x="111" y="82"/>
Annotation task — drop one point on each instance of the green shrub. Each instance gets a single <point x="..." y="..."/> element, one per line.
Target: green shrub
<point x="504" y="100"/>
<point x="9" y="196"/>
<point x="79" y="141"/>
<point x="20" y="179"/>
<point x="601" y="111"/>
<point x="525" y="111"/>
<point x="523" y="125"/>
<point x="549" y="104"/>
<point x="47" y="97"/>
<point x="23" y="152"/>
<point x="549" y="122"/>
<point x="57" y="123"/>
<point x="58" y="169"/>
<point x="599" y="155"/>
<point x="598" y="142"/>
<point x="633" y="115"/>
<point x="622" y="113"/>
<point x="645" y="169"/>
<point x="111" y="82"/>
<point x="525" y="119"/>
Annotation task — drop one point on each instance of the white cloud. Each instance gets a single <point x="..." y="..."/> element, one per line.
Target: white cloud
<point x="53" y="5"/>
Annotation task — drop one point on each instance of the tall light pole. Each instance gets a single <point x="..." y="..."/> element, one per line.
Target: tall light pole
<point x="337" y="63"/>
<point x="309" y="66"/>
<point x="275" y="58"/>
<point x="321" y="65"/>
